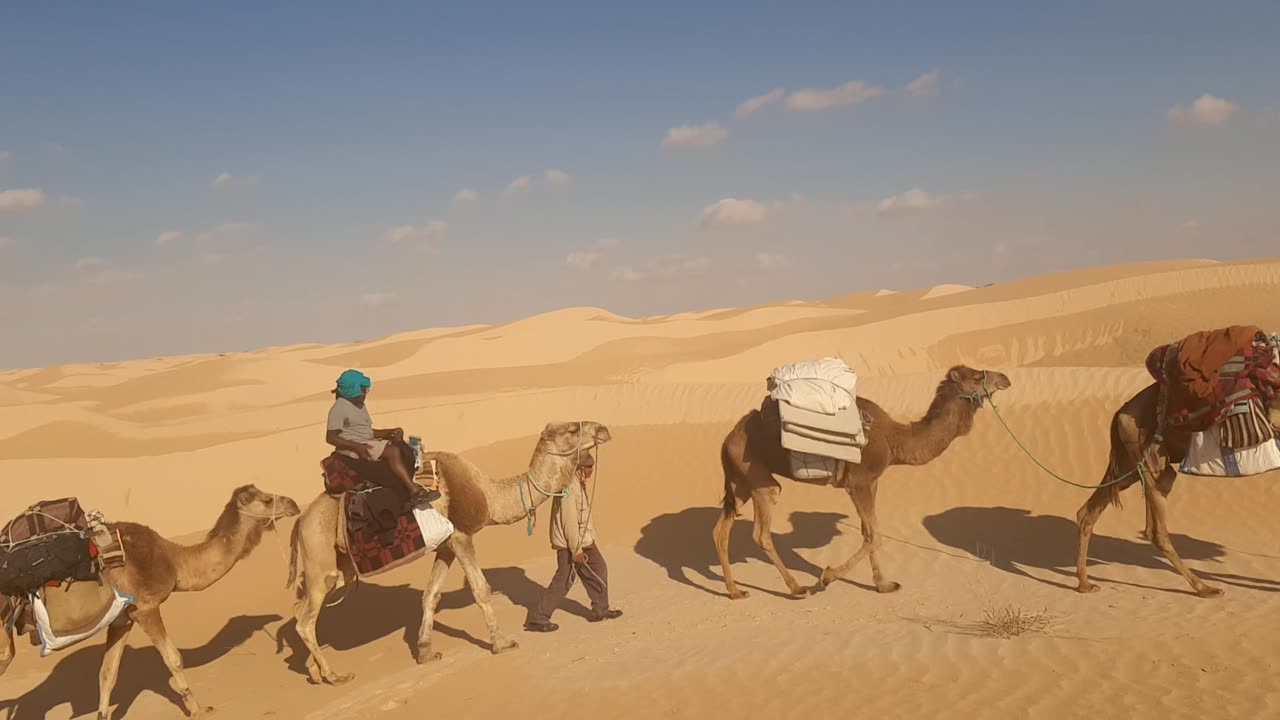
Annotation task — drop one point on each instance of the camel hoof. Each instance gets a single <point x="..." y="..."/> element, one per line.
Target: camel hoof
<point x="739" y="595"/>
<point x="507" y="646"/>
<point x="827" y="578"/>
<point x="889" y="587"/>
<point x="426" y="656"/>
<point x="800" y="593"/>
<point x="202" y="713"/>
<point x="342" y="679"/>
<point x="1085" y="588"/>
<point x="1209" y="592"/>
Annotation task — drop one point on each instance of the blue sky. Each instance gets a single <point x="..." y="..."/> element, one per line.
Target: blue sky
<point x="1036" y="138"/>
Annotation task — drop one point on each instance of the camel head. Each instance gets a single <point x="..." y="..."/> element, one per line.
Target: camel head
<point x="264" y="506"/>
<point x="977" y="385"/>
<point x="564" y="438"/>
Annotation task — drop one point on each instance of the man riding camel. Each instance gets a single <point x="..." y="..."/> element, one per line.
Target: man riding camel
<point x="351" y="431"/>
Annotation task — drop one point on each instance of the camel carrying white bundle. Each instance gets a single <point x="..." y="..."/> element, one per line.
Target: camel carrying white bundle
<point x="819" y="417"/>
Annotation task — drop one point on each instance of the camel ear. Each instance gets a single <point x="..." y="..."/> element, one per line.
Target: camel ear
<point x="955" y="375"/>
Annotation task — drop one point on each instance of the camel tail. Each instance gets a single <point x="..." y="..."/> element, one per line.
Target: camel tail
<point x="295" y="539"/>
<point x="729" y="504"/>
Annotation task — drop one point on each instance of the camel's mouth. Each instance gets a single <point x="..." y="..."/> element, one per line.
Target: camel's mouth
<point x="602" y="435"/>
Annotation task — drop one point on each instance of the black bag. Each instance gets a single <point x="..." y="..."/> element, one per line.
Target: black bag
<point x="29" y="565"/>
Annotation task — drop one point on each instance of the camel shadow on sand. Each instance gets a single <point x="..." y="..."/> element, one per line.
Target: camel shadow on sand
<point x="371" y="612"/>
<point x="681" y="542"/>
<point x="1012" y="539"/>
<point x="74" y="679"/>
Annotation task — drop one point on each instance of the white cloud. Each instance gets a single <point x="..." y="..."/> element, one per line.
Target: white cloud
<point x="812" y="100"/>
<point x="759" y="101"/>
<point x="466" y="195"/>
<point x="227" y="231"/>
<point x="1207" y="110"/>
<point x="627" y="273"/>
<point x="226" y="179"/>
<point x="557" y="177"/>
<point x="520" y="183"/>
<point x="375" y="300"/>
<point x="924" y="86"/>
<point x="699" y="136"/>
<point x="586" y="259"/>
<point x="667" y="266"/>
<point x="168" y="237"/>
<point x="766" y="261"/>
<point x="423" y="234"/>
<point x="582" y="259"/>
<point x="917" y="200"/>
<point x="13" y="202"/>
<point x="731" y="212"/>
<point x="91" y="263"/>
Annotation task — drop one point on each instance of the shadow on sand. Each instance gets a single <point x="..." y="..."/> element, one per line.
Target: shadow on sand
<point x="1013" y="538"/>
<point x="74" y="679"/>
<point x="372" y="612"/>
<point x="682" y="542"/>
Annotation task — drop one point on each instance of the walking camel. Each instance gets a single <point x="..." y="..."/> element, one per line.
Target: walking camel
<point x="471" y="500"/>
<point x="155" y="569"/>
<point x="1133" y="429"/>
<point x="752" y="454"/>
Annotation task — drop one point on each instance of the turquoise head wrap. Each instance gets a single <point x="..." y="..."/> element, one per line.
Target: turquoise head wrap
<point x="351" y="383"/>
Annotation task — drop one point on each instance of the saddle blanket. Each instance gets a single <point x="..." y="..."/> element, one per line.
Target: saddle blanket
<point x="1208" y="373"/>
<point x="381" y="530"/>
<point x="1207" y="457"/>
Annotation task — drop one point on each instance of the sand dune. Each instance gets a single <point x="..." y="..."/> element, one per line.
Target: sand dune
<point x="164" y="440"/>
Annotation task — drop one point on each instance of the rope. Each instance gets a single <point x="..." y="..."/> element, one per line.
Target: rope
<point x="1139" y="469"/>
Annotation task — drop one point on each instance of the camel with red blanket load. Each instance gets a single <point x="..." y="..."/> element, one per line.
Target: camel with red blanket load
<point x="1210" y="411"/>
<point x="381" y="529"/>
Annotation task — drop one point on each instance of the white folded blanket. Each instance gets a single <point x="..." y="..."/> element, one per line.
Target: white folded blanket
<point x="824" y="386"/>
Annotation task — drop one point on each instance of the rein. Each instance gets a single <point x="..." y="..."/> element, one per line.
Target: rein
<point x="1140" y="469"/>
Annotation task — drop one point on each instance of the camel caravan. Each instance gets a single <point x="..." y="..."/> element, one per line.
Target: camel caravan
<point x="68" y="574"/>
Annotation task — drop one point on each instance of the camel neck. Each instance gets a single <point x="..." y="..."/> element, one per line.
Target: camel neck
<point x="233" y="537"/>
<point x="513" y="498"/>
<point x="916" y="443"/>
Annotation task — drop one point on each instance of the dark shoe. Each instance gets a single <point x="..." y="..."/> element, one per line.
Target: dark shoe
<point x="541" y="627"/>
<point x="606" y="615"/>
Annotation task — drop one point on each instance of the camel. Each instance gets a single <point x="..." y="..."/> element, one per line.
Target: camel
<point x="1133" y="429"/>
<point x="471" y="500"/>
<point x="155" y="568"/>
<point x="752" y="454"/>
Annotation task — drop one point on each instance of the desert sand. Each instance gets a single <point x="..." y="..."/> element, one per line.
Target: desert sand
<point x="164" y="441"/>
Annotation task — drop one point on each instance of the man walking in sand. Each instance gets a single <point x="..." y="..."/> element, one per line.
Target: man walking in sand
<point x="573" y="536"/>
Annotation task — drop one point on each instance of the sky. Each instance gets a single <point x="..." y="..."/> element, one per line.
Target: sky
<point x="180" y="179"/>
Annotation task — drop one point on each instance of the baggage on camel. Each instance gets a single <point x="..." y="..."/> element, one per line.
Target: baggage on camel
<point x="55" y="545"/>
<point x="819" y="418"/>
<point x="1220" y="386"/>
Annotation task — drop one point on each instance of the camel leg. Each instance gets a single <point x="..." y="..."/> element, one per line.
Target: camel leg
<point x="430" y="599"/>
<point x="1086" y="518"/>
<point x="153" y="626"/>
<point x="117" y="634"/>
<point x="724" y="526"/>
<point x="763" y="500"/>
<point x="864" y="501"/>
<point x="1160" y="516"/>
<point x="307" y="609"/>
<point x="464" y="548"/>
<point x="1148" y="532"/>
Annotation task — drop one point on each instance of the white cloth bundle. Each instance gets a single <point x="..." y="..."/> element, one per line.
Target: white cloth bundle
<point x="824" y="386"/>
<point x="50" y="642"/>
